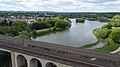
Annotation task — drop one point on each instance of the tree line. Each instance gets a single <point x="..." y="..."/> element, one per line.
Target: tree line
<point x="23" y="29"/>
<point x="111" y="31"/>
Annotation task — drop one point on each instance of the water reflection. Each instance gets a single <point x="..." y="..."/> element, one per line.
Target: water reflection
<point x="78" y="35"/>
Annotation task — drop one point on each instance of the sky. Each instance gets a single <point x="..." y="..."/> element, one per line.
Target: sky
<point x="61" y="5"/>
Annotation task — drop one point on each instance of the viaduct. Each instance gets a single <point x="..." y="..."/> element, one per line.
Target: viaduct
<point x="28" y="53"/>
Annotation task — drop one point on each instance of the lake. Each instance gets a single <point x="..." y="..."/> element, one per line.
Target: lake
<point x="79" y="34"/>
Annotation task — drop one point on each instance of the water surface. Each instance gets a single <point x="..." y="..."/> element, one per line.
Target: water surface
<point x="79" y="34"/>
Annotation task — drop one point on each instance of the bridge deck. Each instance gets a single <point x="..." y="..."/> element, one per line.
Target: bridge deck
<point x="51" y="52"/>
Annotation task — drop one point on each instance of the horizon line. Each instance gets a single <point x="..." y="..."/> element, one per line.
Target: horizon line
<point x="62" y="11"/>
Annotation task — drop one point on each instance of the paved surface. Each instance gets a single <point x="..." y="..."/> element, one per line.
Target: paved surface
<point x="116" y="51"/>
<point x="59" y="53"/>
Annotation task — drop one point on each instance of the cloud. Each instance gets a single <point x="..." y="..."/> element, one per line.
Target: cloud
<point x="96" y="1"/>
<point x="61" y="5"/>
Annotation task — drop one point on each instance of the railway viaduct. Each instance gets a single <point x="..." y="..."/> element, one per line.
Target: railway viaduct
<point x="27" y="53"/>
<point x="24" y="60"/>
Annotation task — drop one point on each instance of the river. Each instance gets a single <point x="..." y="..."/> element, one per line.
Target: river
<point x="79" y="34"/>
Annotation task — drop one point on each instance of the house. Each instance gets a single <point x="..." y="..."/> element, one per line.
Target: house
<point x="2" y="19"/>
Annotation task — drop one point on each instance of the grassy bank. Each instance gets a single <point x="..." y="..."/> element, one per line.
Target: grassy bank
<point x="109" y="47"/>
<point x="48" y="31"/>
<point x="91" y="45"/>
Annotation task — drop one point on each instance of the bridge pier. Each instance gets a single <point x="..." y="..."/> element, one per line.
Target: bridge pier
<point x="18" y="59"/>
<point x="42" y="61"/>
<point x="13" y="59"/>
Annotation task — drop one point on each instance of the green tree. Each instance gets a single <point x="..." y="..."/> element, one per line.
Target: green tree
<point x="28" y="29"/>
<point x="115" y="35"/>
<point x="19" y="23"/>
<point x="14" y="30"/>
<point x="102" y="33"/>
<point x="108" y="26"/>
<point x="61" y="17"/>
<point x="5" y="30"/>
<point x="40" y="25"/>
<point x="34" y="32"/>
<point x="52" y="22"/>
<point x="116" y="21"/>
<point x="24" y="35"/>
<point x="19" y="26"/>
<point x="62" y="23"/>
<point x="102" y="19"/>
<point x="81" y="20"/>
<point x="116" y="18"/>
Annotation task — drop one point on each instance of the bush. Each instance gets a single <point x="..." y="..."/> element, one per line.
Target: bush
<point x="43" y="32"/>
<point x="19" y="26"/>
<point x="81" y="20"/>
<point x="25" y="35"/>
<point x="34" y="32"/>
<point x="52" y="22"/>
<point x="108" y="26"/>
<point x="5" y="30"/>
<point x="116" y="21"/>
<point x="115" y="35"/>
<point x="109" y="48"/>
<point x="103" y="19"/>
<point x="62" y="24"/>
<point x="102" y="33"/>
<point x="40" y="25"/>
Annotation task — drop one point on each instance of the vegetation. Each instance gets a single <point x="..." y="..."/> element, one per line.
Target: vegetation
<point x="109" y="47"/>
<point x="47" y="31"/>
<point x="5" y="30"/>
<point x="15" y="28"/>
<point x="69" y="15"/>
<point x="62" y="24"/>
<point x="80" y="20"/>
<point x="19" y="26"/>
<point x="115" y="35"/>
<point x="42" y="26"/>
<point x="43" y="31"/>
<point x="48" y="25"/>
<point x="102" y="33"/>
<point x="116" y="21"/>
<point x="108" y="26"/>
<point x="103" y="19"/>
<point x="25" y="35"/>
<point x="100" y="19"/>
<point x="91" y="45"/>
<point x="110" y="33"/>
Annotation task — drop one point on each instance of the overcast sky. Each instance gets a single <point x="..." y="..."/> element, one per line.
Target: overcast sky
<point x="61" y="5"/>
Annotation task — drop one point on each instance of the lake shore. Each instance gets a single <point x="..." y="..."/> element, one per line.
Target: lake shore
<point x="78" y="35"/>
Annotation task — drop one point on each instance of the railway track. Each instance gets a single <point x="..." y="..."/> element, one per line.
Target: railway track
<point x="14" y="43"/>
<point x="45" y="55"/>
